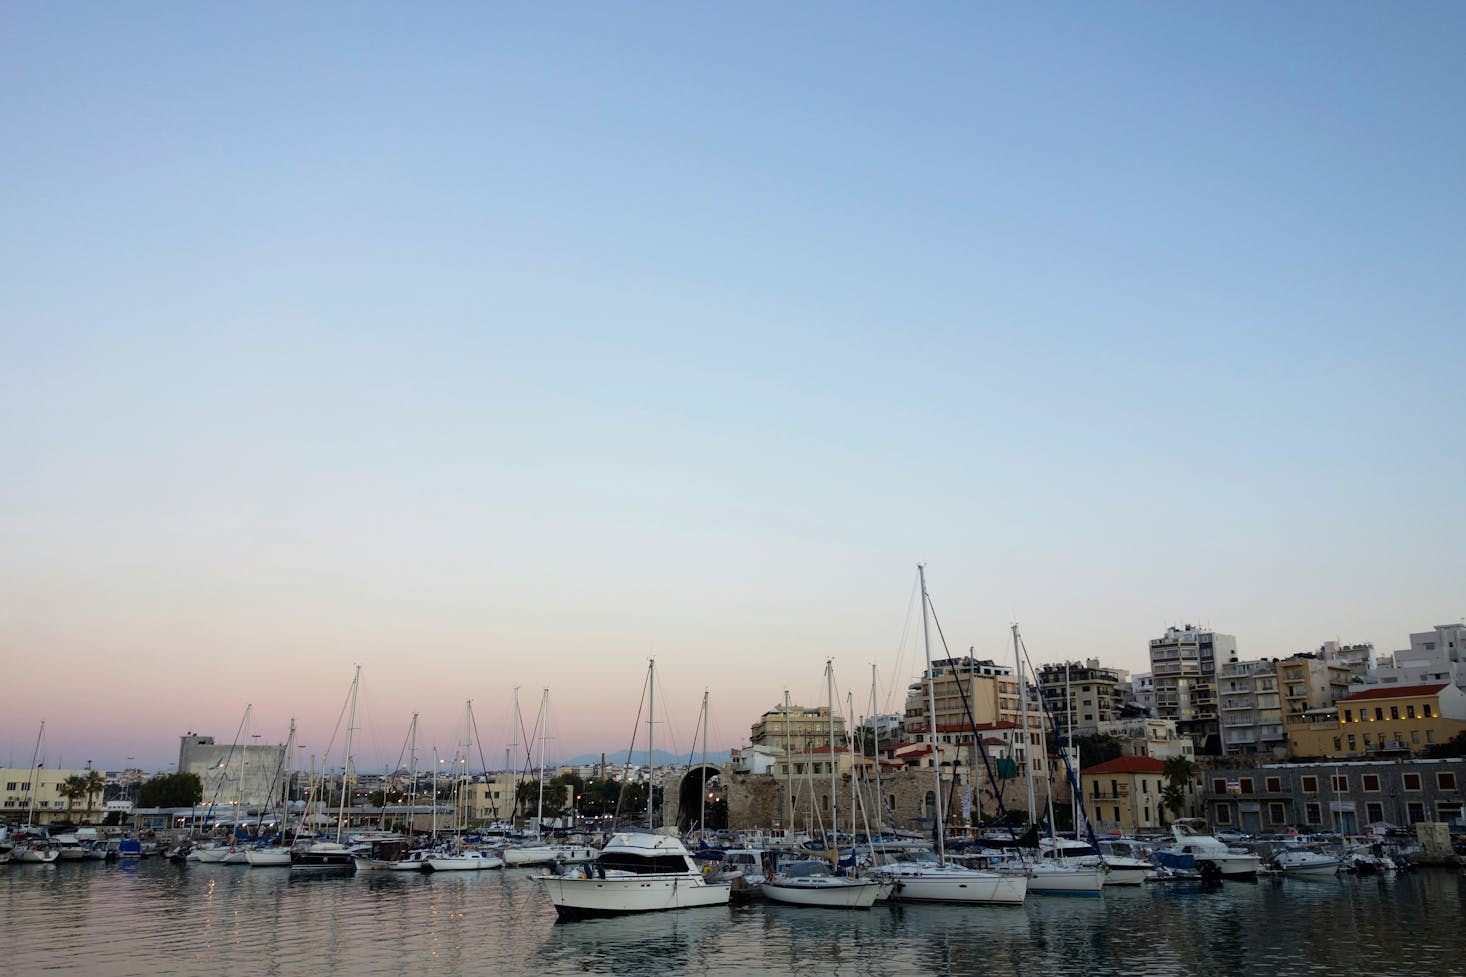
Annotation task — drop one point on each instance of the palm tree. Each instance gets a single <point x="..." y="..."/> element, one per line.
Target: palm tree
<point x="1179" y="773"/>
<point x="94" y="783"/>
<point x="72" y="788"/>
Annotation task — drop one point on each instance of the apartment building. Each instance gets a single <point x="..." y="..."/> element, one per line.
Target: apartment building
<point x="1079" y="696"/>
<point x="1184" y="664"/>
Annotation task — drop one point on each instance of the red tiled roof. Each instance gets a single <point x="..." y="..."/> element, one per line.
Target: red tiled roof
<point x="1128" y="764"/>
<point x="1396" y="692"/>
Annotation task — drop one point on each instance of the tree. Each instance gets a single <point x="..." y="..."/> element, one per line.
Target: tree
<point x="93" y="784"/>
<point x="1179" y="772"/>
<point x="171" y="790"/>
<point x="1453" y="747"/>
<point x="72" y="788"/>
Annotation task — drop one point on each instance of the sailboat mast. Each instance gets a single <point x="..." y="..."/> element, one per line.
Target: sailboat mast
<point x="702" y="816"/>
<point x="788" y="767"/>
<point x="651" y="708"/>
<point x="35" y="771"/>
<point x="346" y="770"/>
<point x="241" y="809"/>
<point x="876" y="729"/>
<point x="834" y="781"/>
<point x="1023" y="708"/>
<point x="539" y="813"/>
<point x="412" y="764"/>
<point x="514" y="749"/>
<point x="931" y="706"/>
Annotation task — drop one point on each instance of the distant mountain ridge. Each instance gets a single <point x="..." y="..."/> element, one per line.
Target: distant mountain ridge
<point x="660" y="758"/>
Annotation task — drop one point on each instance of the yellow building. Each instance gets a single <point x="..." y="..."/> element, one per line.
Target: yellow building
<point x="50" y="803"/>
<point x="1386" y="719"/>
<point x="1124" y="794"/>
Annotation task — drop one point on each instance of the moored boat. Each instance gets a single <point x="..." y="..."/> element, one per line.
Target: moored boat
<point x="637" y="872"/>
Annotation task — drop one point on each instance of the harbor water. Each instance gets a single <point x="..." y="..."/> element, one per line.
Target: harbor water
<point x="157" y="918"/>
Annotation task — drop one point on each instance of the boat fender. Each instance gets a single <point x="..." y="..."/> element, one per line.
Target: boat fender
<point x="770" y="876"/>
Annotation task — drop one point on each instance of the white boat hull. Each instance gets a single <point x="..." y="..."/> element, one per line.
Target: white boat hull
<point x="466" y="862"/>
<point x="577" y="898"/>
<point x="1065" y="881"/>
<point x="268" y="858"/>
<point x="35" y="856"/>
<point x="939" y="884"/>
<point x="829" y="894"/>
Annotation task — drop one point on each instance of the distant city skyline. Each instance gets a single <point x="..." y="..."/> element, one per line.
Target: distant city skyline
<point x="492" y="347"/>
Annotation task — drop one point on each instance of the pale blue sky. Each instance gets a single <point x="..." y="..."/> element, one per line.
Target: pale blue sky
<point x="495" y="346"/>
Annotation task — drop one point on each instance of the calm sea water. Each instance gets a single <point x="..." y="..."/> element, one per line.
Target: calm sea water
<point x="157" y="918"/>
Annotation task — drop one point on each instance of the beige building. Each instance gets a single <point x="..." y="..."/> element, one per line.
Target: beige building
<point x="1124" y="795"/>
<point x="991" y="691"/>
<point x="801" y="728"/>
<point x="1382" y="720"/>
<point x="1081" y="696"/>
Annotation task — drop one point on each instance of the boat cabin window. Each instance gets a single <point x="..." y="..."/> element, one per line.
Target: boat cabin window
<point x="642" y="864"/>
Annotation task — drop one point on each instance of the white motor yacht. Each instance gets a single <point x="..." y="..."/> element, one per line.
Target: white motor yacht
<point x="637" y="872"/>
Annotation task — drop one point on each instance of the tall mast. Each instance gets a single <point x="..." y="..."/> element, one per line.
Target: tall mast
<point x="35" y="775"/>
<point x="1023" y="708"/>
<point x="931" y="706"/>
<point x="241" y="807"/>
<point x="412" y="765"/>
<point x="346" y="770"/>
<point x="702" y="817"/>
<point x="539" y="813"/>
<point x="834" y="782"/>
<point x="876" y="729"/>
<point x="651" y="708"/>
<point x="788" y="767"/>
<point x="462" y="803"/>
<point x="514" y="749"/>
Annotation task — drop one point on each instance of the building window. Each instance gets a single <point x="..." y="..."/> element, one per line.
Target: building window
<point x="1379" y="712"/>
<point x="1340" y="783"/>
<point x="1394" y="712"/>
<point x="1224" y="814"/>
<point x="1374" y="812"/>
<point x="1352" y="744"/>
<point x="1117" y="815"/>
<point x="1445" y="781"/>
<point x="1415" y="812"/>
<point x="1409" y="712"/>
<point x="1274" y="785"/>
<point x="1246" y="783"/>
<point x="1277" y="813"/>
<point x="1348" y="715"/>
<point x="1415" y="736"/>
<point x="1430" y="736"/>
<point x="1411" y="781"/>
<point x="1310" y="784"/>
<point x="1371" y="783"/>
<point x="1447" y="811"/>
<point x="1219" y="786"/>
<point x="1313" y="813"/>
<point x="1425" y="710"/>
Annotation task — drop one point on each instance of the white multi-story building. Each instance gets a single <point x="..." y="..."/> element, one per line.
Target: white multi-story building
<point x="1140" y="692"/>
<point x="1433" y="656"/>
<point x="1184" y="664"/>
<point x="1251" y="713"/>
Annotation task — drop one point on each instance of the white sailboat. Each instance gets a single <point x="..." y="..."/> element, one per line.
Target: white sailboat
<point x="32" y="842"/>
<point x="637" y="871"/>
<point x="931" y="878"/>
<point x="812" y="883"/>
<point x="1053" y="873"/>
<point x="457" y="858"/>
<point x="334" y="855"/>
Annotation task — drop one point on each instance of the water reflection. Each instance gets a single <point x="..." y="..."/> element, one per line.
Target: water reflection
<point x="155" y="918"/>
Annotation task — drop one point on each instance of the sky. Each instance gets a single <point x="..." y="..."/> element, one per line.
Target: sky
<point x="495" y="347"/>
